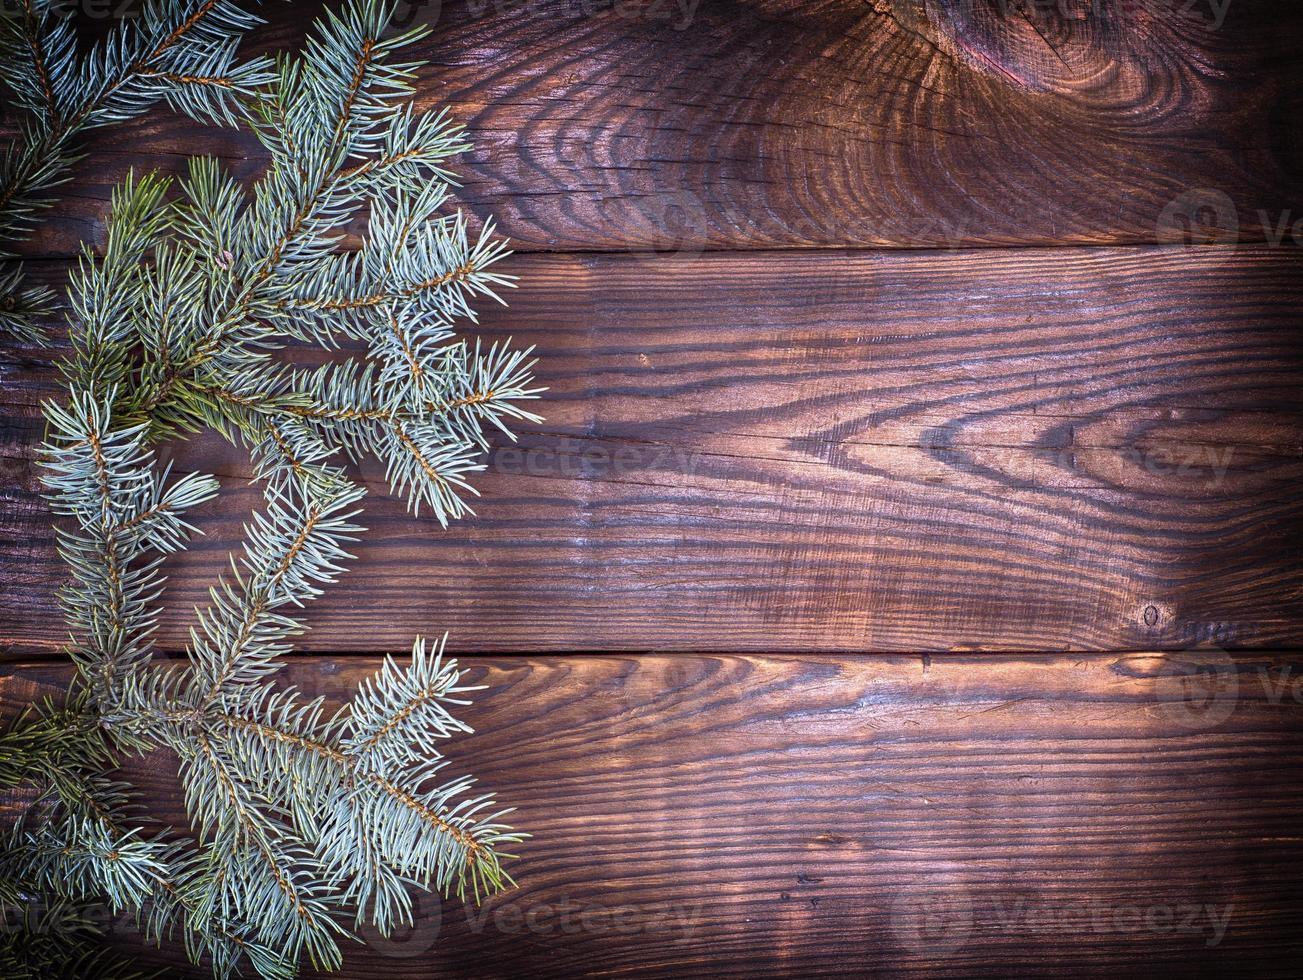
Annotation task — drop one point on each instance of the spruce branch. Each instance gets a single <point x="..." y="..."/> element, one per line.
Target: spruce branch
<point x="303" y="817"/>
<point x="60" y="939"/>
<point x="122" y="508"/>
<point x="182" y="52"/>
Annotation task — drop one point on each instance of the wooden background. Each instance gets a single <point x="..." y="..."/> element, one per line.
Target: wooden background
<point x="906" y="579"/>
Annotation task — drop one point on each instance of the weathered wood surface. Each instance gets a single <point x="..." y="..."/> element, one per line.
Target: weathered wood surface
<point x="988" y="449"/>
<point x="966" y="450"/>
<point x="885" y="816"/>
<point x="683" y="124"/>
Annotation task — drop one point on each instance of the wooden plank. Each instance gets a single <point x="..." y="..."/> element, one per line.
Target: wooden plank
<point x="767" y="816"/>
<point x="677" y="125"/>
<point x="982" y="450"/>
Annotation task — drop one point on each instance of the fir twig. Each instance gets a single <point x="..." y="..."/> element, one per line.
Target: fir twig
<point x="178" y="51"/>
<point x="303" y="818"/>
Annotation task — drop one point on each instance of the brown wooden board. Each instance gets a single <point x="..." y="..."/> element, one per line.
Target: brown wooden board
<point x="974" y="450"/>
<point x="683" y="124"/>
<point x="931" y="448"/>
<point x="890" y="816"/>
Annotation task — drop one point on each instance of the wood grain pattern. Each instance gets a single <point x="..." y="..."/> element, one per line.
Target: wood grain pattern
<point x="1040" y="816"/>
<point x="975" y="450"/>
<point x="677" y="125"/>
<point x="979" y="450"/>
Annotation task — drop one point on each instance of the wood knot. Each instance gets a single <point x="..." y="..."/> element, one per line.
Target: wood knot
<point x="1037" y="46"/>
<point x="1155" y="616"/>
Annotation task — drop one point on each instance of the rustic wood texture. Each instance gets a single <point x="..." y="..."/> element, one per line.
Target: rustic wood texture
<point x="971" y="450"/>
<point x="687" y="124"/>
<point x="755" y="447"/>
<point x="886" y="816"/>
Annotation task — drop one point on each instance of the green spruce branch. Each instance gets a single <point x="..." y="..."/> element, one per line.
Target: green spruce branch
<point x="182" y="52"/>
<point x="306" y="822"/>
